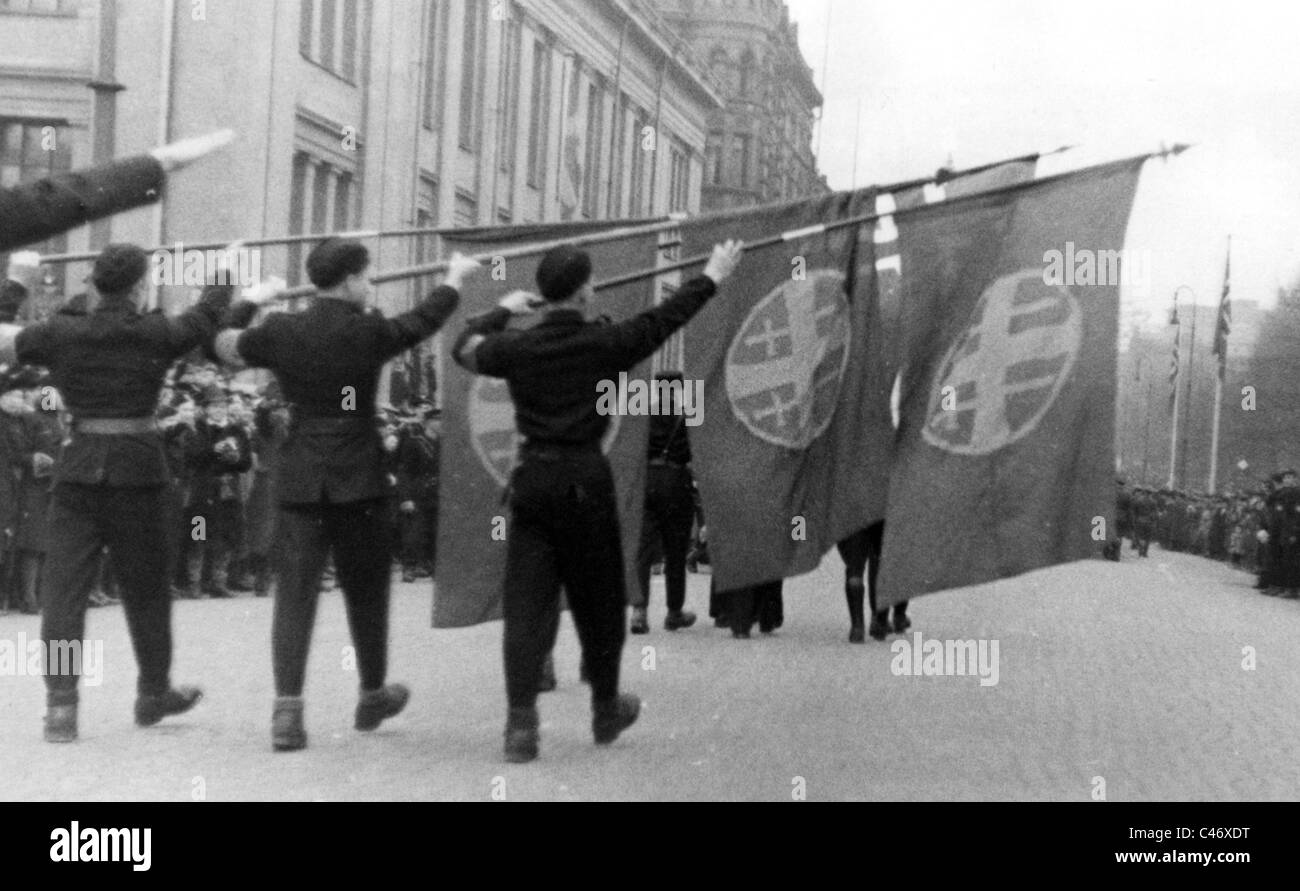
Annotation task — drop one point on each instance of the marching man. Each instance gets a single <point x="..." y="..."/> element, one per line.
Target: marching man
<point x="331" y="484"/>
<point x="563" y="514"/>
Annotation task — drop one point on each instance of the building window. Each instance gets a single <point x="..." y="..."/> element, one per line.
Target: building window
<point x="297" y="214"/>
<point x="508" y="140"/>
<point x="471" y="74"/>
<point x="466" y="213"/>
<point x="435" y="66"/>
<point x="32" y="150"/>
<point x="342" y="202"/>
<point x="322" y="198"/>
<point x="595" y="137"/>
<point x="740" y="159"/>
<point x="636" y="186"/>
<point x="746" y="74"/>
<point x="713" y="158"/>
<point x="41" y="7"/>
<point x="328" y="32"/>
<point x="679" y="178"/>
<point x="539" y="110"/>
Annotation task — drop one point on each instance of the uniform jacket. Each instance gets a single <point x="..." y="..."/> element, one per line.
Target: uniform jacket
<point x="110" y="364"/>
<point x="327" y="360"/>
<point x="553" y="369"/>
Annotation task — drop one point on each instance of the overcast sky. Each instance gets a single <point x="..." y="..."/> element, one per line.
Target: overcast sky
<point x="980" y="80"/>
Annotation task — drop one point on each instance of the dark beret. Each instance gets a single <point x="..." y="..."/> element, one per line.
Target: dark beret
<point x="334" y="259"/>
<point x="118" y="268"/>
<point x="562" y="272"/>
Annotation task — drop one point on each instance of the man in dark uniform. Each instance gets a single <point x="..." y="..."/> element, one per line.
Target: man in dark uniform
<point x="564" y="528"/>
<point x="110" y="482"/>
<point x="669" y="512"/>
<point x="331" y="486"/>
<point x="1284" y="537"/>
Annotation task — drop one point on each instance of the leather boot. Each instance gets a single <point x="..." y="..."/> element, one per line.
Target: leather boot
<point x="522" y="737"/>
<point x="287" y="733"/>
<point x="377" y="706"/>
<point x="640" y="623"/>
<point x="853" y="592"/>
<point x="61" y="723"/>
<point x="149" y="710"/>
<point x="612" y="716"/>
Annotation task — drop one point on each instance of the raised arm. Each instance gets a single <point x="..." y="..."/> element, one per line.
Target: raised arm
<point x="405" y="331"/>
<point x="483" y="346"/>
<point x="44" y="208"/>
<point x="638" y="337"/>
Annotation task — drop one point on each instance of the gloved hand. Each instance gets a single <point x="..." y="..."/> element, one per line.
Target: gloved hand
<point x="725" y="259"/>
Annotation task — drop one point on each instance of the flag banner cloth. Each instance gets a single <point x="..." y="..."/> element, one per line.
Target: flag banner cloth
<point x="479" y="437"/>
<point x="889" y="265"/>
<point x="1224" y="325"/>
<point x="785" y="458"/>
<point x="1004" y="460"/>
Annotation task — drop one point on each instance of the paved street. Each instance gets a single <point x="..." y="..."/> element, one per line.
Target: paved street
<point x="1131" y="672"/>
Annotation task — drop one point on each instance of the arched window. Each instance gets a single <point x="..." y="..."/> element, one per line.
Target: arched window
<point x="746" y="73"/>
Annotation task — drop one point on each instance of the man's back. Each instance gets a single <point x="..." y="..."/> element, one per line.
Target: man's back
<point x="328" y="360"/>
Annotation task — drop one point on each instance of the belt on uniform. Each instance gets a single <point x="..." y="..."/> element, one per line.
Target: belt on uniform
<point x="664" y="462"/>
<point x="116" y="426"/>
<point x="543" y="449"/>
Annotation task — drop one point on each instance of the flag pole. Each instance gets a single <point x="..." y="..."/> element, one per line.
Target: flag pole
<point x="1187" y="409"/>
<point x="1214" y="441"/>
<point x="1173" y="434"/>
<point x="663" y="225"/>
<point x="509" y="254"/>
<point x="822" y="228"/>
<point x="1221" y="348"/>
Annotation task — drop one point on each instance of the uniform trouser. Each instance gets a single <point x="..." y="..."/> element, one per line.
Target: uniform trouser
<point x="132" y="523"/>
<point x="666" y="521"/>
<point x="563" y="532"/>
<point x="358" y="535"/>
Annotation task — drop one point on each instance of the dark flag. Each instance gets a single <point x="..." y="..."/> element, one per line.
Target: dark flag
<point x="889" y="265"/>
<point x="792" y="454"/>
<point x="1004" y="460"/>
<point x="1224" y="325"/>
<point x="479" y="437"/>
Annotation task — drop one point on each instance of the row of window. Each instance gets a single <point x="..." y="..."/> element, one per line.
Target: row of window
<point x="329" y="32"/>
<point x="41" y="7"/>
